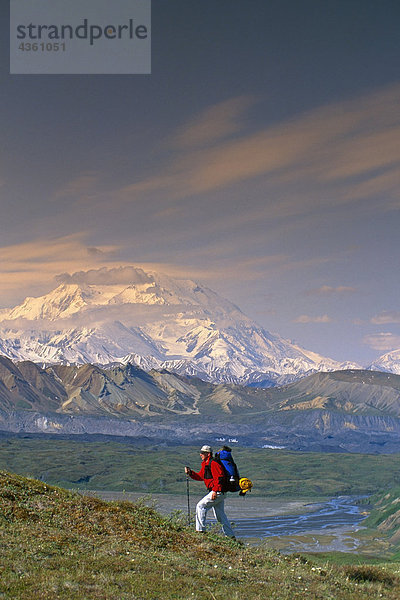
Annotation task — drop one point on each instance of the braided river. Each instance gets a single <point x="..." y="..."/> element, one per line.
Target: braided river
<point x="323" y="525"/>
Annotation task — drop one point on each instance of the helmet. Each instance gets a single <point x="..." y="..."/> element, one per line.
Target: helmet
<point x="245" y="485"/>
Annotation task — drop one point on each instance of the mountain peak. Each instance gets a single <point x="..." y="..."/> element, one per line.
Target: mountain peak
<point x="155" y="321"/>
<point x="389" y="362"/>
<point x="61" y="302"/>
<point x="75" y="295"/>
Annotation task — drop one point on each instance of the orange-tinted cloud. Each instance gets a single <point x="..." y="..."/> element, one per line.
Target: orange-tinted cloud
<point x="34" y="265"/>
<point x="336" y="154"/>
<point x="327" y="290"/>
<point x="214" y="124"/>
<point x="83" y="186"/>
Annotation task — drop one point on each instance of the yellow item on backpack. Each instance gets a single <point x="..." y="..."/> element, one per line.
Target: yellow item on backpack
<point x="245" y="485"/>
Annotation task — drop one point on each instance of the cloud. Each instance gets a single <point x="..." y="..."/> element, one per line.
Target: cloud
<point x="308" y="319"/>
<point x="334" y="155"/>
<point x="33" y="266"/>
<point x="95" y="251"/>
<point x="84" y="187"/>
<point x="217" y="266"/>
<point x="106" y="276"/>
<point x="383" y="342"/>
<point x="327" y="290"/>
<point x="47" y="251"/>
<point x="386" y="317"/>
<point x="357" y="321"/>
<point x="214" y="124"/>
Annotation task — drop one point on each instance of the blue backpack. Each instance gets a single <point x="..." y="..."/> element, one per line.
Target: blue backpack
<point x="224" y="458"/>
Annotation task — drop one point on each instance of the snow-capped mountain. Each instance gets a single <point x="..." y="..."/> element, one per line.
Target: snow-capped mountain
<point x="389" y="362"/>
<point x="154" y="321"/>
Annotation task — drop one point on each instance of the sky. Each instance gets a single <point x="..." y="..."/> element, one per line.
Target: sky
<point x="261" y="158"/>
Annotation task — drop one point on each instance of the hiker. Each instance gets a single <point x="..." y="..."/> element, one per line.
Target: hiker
<point x="212" y="473"/>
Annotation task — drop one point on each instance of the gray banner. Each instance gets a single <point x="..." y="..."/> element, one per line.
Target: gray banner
<point x="80" y="37"/>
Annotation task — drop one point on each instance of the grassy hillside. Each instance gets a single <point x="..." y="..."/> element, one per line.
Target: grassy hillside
<point x="112" y="465"/>
<point x="386" y="513"/>
<point x="385" y="518"/>
<point x="55" y="545"/>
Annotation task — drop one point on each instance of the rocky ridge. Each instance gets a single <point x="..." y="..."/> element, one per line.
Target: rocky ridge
<point x="338" y="411"/>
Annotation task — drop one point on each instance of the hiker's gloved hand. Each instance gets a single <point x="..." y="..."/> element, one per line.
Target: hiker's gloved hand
<point x="188" y="471"/>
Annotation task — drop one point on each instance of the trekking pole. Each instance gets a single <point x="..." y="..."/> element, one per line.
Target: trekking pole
<point x="188" y="498"/>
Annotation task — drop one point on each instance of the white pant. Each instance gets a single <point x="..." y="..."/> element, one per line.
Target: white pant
<point x="218" y="507"/>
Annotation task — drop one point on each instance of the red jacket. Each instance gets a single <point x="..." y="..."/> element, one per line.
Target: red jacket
<point x="214" y="483"/>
